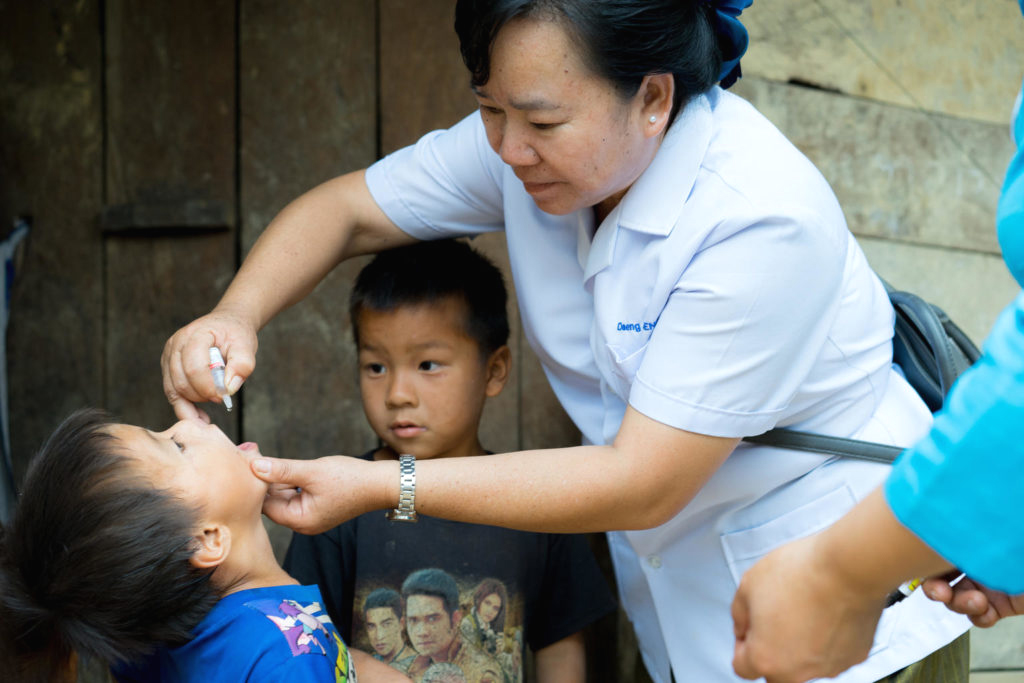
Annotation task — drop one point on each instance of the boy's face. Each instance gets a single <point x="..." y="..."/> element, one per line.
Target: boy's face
<point x="199" y="462"/>
<point x="422" y="379"/>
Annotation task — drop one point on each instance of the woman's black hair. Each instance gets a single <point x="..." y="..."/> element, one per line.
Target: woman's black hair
<point x="619" y="40"/>
<point x="95" y="560"/>
<point x="427" y="272"/>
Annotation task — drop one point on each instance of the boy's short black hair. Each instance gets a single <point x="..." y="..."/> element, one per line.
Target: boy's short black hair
<point x="428" y="272"/>
<point x="95" y="560"/>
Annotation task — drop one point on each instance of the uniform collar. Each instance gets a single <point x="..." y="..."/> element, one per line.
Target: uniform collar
<point x="596" y="255"/>
<point x="653" y="204"/>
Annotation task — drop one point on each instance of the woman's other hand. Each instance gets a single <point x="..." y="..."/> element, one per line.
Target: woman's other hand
<point x="185" y="361"/>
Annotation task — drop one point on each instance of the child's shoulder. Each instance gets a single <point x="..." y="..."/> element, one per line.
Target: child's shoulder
<point x="281" y="622"/>
<point x="254" y="634"/>
<point x="275" y="607"/>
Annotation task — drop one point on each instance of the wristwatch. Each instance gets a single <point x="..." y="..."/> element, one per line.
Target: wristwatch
<point x="406" y="510"/>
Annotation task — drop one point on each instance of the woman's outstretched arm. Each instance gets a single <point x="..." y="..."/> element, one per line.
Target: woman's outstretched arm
<point x="330" y="223"/>
<point x="642" y="480"/>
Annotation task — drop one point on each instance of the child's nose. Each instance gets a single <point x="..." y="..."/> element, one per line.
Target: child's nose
<point x="400" y="390"/>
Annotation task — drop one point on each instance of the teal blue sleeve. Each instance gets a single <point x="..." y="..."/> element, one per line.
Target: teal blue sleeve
<point x="960" y="488"/>
<point x="1010" y="212"/>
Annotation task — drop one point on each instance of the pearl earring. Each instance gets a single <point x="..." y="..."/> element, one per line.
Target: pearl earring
<point x="653" y="119"/>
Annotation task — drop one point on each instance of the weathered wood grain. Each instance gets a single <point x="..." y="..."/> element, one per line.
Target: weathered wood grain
<point x="308" y="100"/>
<point x="51" y="139"/>
<point x="171" y="138"/>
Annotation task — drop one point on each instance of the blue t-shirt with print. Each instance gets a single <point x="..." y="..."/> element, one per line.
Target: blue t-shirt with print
<point x="279" y="633"/>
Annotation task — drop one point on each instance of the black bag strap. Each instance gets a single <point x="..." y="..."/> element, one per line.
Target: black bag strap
<point x="829" y="445"/>
<point x="931" y="350"/>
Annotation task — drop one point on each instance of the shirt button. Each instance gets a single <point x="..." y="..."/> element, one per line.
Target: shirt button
<point x="654" y="561"/>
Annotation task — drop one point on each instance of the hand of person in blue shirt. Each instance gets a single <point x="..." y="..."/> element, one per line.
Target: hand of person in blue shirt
<point x="983" y="606"/>
<point x="810" y="608"/>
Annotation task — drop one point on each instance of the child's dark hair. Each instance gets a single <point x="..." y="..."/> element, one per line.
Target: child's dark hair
<point x="95" y="560"/>
<point x="427" y="272"/>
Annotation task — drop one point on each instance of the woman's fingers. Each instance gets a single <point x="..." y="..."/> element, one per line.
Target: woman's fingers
<point x="294" y="498"/>
<point x="311" y="496"/>
<point x="185" y="361"/>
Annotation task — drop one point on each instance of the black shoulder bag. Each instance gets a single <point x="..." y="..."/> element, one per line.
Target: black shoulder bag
<point x="931" y="350"/>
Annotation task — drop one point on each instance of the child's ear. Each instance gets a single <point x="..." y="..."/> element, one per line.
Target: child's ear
<point x="213" y="543"/>
<point x="499" y="365"/>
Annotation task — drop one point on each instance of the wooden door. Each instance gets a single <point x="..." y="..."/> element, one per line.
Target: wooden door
<point x="150" y="143"/>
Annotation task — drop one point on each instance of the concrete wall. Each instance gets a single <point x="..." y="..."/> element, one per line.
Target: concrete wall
<point x="905" y="106"/>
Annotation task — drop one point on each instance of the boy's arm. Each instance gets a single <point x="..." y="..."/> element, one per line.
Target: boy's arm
<point x="372" y="670"/>
<point x="562" y="662"/>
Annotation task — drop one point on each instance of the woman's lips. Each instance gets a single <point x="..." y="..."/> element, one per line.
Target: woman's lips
<point x="248" y="446"/>
<point x="535" y="188"/>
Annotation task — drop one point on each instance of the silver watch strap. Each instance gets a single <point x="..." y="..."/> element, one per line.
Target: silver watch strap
<point x="406" y="510"/>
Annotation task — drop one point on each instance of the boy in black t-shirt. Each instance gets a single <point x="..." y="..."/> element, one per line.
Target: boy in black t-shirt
<point x="431" y="328"/>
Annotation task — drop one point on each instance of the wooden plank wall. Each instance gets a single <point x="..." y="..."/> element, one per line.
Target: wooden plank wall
<point x="308" y="101"/>
<point x="170" y="123"/>
<point x="115" y="112"/>
<point x="51" y="168"/>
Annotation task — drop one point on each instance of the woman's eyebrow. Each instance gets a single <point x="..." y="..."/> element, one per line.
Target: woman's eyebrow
<point x="537" y="103"/>
<point x="529" y="104"/>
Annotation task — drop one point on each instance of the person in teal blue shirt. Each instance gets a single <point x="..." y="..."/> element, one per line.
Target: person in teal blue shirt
<point x="955" y="489"/>
<point x="810" y="608"/>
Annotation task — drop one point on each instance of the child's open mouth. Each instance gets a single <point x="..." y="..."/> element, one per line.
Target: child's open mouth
<point x="250" y="449"/>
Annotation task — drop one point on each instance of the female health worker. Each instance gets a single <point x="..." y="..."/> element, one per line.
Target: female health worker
<point x="686" y="278"/>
